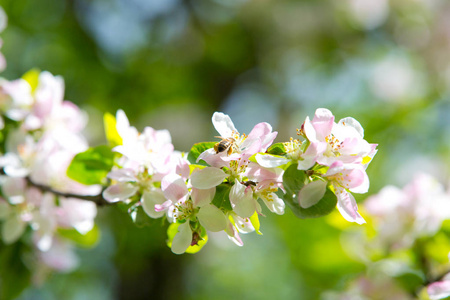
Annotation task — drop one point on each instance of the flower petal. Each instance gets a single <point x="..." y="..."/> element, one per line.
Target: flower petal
<point x="119" y="192"/>
<point x="223" y="124"/>
<point x="311" y="193"/>
<point x="207" y="178"/>
<point x="323" y="122"/>
<point x="174" y="187"/>
<point x="270" y="161"/>
<point x="242" y="200"/>
<point x="347" y="206"/>
<point x="12" y="229"/>
<point x="202" y="197"/>
<point x="182" y="240"/>
<point x="212" y="218"/>
<point x="149" y="200"/>
<point x="439" y="290"/>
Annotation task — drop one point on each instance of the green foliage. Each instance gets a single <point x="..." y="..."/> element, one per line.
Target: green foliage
<point x="91" y="166"/>
<point x="222" y="196"/>
<point x="293" y="181"/>
<point x="14" y="275"/>
<point x="277" y="149"/>
<point x="88" y="240"/>
<point x="141" y="219"/>
<point x="198" y="149"/>
<point x="112" y="136"/>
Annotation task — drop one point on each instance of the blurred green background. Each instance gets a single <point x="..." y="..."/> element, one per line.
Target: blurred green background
<point x="172" y="63"/>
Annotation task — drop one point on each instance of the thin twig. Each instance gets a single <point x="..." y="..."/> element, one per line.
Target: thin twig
<point x="97" y="199"/>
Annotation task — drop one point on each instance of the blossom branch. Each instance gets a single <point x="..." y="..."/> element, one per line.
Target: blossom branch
<point x="97" y="199"/>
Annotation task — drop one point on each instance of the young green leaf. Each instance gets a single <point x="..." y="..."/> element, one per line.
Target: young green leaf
<point x="293" y="181"/>
<point x="198" y="149"/>
<point x="277" y="149"/>
<point x="88" y="240"/>
<point x="112" y="136"/>
<point x="222" y="196"/>
<point x="91" y="166"/>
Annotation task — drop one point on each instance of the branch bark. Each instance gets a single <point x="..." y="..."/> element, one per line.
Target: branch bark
<point x="97" y="199"/>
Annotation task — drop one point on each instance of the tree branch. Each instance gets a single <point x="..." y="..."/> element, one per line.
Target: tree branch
<point x="97" y="199"/>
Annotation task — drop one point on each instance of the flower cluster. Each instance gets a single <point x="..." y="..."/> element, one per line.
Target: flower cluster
<point x="41" y="135"/>
<point x="220" y="186"/>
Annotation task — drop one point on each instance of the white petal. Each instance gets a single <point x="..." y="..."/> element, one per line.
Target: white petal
<point x="119" y="192"/>
<point x="207" y="178"/>
<point x="439" y="290"/>
<point x="212" y="218"/>
<point x="242" y="200"/>
<point x="123" y="175"/>
<point x="202" y="197"/>
<point x="353" y="123"/>
<point x="347" y="206"/>
<point x="223" y="124"/>
<point x="270" y="161"/>
<point x="149" y="199"/>
<point x="174" y="187"/>
<point x="122" y="123"/>
<point x="183" y="239"/>
<point x="274" y="203"/>
<point x="12" y="229"/>
<point x="311" y="193"/>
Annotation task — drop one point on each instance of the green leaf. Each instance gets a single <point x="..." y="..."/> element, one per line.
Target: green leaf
<point x="32" y="77"/>
<point x="91" y="166"/>
<point x="172" y="231"/>
<point x="88" y="240"/>
<point x="14" y="275"/>
<point x="198" y="149"/>
<point x="222" y="196"/>
<point x="293" y="181"/>
<point x="277" y="149"/>
<point x="255" y="222"/>
<point x="141" y="219"/>
<point x="112" y="136"/>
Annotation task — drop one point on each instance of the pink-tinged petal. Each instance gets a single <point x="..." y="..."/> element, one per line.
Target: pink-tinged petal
<point x="202" y="197"/>
<point x="60" y="257"/>
<point x="363" y="187"/>
<point x="233" y="234"/>
<point x="323" y="122"/>
<point x="12" y="229"/>
<point x="164" y="206"/>
<point x="350" y="122"/>
<point x="223" y="124"/>
<point x="123" y="175"/>
<point x="347" y="206"/>
<point x="119" y="192"/>
<point x="214" y="159"/>
<point x="270" y="161"/>
<point x="182" y="168"/>
<point x="242" y="200"/>
<point x="182" y="240"/>
<point x="439" y="290"/>
<point x="149" y="200"/>
<point x="207" y="178"/>
<point x="263" y="132"/>
<point x="174" y="188"/>
<point x="309" y="130"/>
<point x="309" y="158"/>
<point x="312" y="193"/>
<point x="212" y="218"/>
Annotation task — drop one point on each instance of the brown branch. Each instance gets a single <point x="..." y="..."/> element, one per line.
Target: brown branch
<point x="97" y="199"/>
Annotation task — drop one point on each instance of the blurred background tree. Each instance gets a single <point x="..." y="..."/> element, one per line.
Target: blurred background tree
<point x="172" y="63"/>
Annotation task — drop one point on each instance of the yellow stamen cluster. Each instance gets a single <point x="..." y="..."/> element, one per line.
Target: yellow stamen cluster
<point x="335" y="144"/>
<point x="268" y="192"/>
<point x="183" y="211"/>
<point x="292" y="148"/>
